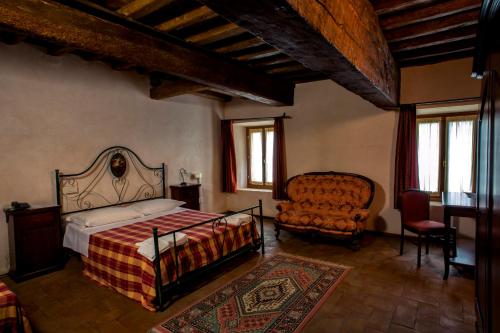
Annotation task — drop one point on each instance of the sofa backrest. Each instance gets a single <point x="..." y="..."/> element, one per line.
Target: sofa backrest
<point x="336" y="188"/>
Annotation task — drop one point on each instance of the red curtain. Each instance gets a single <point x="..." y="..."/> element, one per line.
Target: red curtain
<point x="279" y="160"/>
<point x="406" y="164"/>
<point x="228" y="157"/>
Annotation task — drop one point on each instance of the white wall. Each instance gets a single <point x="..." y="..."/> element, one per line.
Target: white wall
<point x="332" y="129"/>
<point x="59" y="112"/>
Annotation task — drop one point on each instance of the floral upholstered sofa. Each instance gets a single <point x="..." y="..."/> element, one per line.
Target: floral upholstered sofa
<point x="328" y="203"/>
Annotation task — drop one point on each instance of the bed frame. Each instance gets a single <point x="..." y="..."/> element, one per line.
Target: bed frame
<point x="118" y="176"/>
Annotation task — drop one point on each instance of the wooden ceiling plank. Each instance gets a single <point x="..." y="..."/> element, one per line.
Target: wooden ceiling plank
<point x="50" y="21"/>
<point x="140" y="8"/>
<point x="436" y="58"/>
<point x="340" y="38"/>
<point x="435" y="39"/>
<point x="428" y="13"/>
<point x="436" y="49"/>
<point x="383" y="7"/>
<point x="258" y="55"/>
<point x="215" y="34"/>
<point x="200" y="14"/>
<point x="431" y="27"/>
<point x="278" y="59"/>
<point x="169" y="89"/>
<point x="286" y="69"/>
<point x="245" y="44"/>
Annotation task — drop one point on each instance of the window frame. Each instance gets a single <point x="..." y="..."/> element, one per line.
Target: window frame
<point x="443" y="120"/>
<point x="263" y="129"/>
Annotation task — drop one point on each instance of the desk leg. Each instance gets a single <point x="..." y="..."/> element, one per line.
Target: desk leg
<point x="446" y="245"/>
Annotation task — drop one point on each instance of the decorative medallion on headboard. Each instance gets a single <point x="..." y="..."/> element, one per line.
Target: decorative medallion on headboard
<point x="116" y="176"/>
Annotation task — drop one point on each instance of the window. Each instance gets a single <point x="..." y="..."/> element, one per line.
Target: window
<point x="446" y="153"/>
<point x="260" y="156"/>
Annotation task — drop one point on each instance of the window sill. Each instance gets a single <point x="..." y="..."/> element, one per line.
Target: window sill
<point x="248" y="189"/>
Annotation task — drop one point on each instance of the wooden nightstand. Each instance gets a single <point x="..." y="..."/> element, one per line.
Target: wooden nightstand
<point x="190" y="193"/>
<point x="35" y="242"/>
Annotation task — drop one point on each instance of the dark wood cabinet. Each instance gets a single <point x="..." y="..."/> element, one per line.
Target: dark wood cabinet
<point x="190" y="193"/>
<point x="487" y="61"/>
<point x="35" y="242"/>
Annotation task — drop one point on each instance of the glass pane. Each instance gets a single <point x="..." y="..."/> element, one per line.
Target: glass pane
<point x="269" y="155"/>
<point x="460" y="155"/>
<point x="256" y="156"/>
<point x="428" y="156"/>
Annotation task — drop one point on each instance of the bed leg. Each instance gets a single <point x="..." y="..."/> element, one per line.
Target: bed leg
<point x="159" y="293"/>
<point x="261" y="217"/>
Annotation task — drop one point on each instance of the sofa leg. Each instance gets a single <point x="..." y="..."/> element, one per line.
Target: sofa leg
<point x="277" y="231"/>
<point x="355" y="244"/>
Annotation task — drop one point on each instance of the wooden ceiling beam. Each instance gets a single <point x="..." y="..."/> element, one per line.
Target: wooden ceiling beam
<point x="140" y="8"/>
<point x="383" y="7"/>
<point x="435" y="39"/>
<point x="11" y="38"/>
<point x="169" y="89"/>
<point x="55" y="23"/>
<point x="340" y="38"/>
<point x="428" y="13"/>
<point x="200" y="14"/>
<point x="215" y="95"/>
<point x="215" y="34"/>
<point x="431" y="27"/>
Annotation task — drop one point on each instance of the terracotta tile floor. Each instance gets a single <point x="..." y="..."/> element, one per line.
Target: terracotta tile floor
<point x="383" y="293"/>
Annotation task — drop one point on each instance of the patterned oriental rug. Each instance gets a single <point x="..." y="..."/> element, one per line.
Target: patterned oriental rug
<point x="280" y="294"/>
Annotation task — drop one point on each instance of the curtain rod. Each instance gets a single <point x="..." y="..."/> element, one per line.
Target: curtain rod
<point x="284" y="116"/>
<point x="445" y="101"/>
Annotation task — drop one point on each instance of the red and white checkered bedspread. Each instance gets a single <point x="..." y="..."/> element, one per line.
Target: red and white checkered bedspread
<point x="10" y="312"/>
<point x="114" y="262"/>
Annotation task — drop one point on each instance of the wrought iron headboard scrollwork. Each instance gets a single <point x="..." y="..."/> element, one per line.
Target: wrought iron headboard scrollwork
<point x="117" y="176"/>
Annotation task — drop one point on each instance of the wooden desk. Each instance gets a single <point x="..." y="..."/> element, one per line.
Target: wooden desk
<point x="457" y="204"/>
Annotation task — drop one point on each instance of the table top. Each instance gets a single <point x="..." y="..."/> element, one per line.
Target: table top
<point x="458" y="199"/>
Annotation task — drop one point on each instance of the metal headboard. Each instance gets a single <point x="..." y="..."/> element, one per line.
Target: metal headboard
<point x="117" y="176"/>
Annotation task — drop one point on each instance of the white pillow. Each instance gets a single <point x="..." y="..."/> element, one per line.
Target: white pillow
<point x="102" y="216"/>
<point x="149" y="207"/>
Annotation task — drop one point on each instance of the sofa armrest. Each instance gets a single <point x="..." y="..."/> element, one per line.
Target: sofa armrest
<point x="360" y="215"/>
<point x="283" y="206"/>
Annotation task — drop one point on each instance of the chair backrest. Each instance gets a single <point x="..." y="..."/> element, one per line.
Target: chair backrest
<point x="414" y="205"/>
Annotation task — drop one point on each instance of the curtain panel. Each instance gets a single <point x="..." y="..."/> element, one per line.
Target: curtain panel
<point x="279" y="160"/>
<point x="406" y="163"/>
<point x="228" y="157"/>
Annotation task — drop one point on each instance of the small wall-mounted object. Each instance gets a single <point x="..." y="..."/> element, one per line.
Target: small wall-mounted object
<point x="196" y="176"/>
<point x="183" y="174"/>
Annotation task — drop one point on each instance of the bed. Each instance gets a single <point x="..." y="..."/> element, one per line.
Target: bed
<point x="12" y="317"/>
<point x="111" y="252"/>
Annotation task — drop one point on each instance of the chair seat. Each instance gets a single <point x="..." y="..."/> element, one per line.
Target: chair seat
<point x="425" y="226"/>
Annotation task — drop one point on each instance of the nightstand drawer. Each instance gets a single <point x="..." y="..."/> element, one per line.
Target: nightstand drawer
<point x="37" y="221"/>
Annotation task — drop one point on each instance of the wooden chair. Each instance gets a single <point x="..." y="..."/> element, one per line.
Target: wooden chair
<point x="414" y="208"/>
